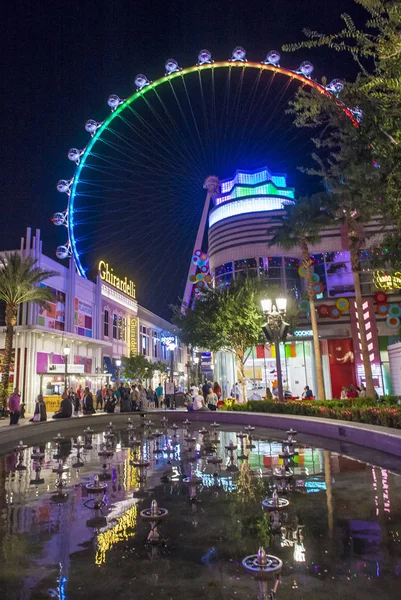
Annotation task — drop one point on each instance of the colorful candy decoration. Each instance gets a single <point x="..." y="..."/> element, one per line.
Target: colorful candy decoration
<point x="382" y="309"/>
<point x="342" y="304"/>
<point x="323" y="310"/>
<point x="394" y="310"/>
<point x="315" y="277"/>
<point x="302" y="271"/>
<point x="304" y="305"/>
<point x="380" y="297"/>
<point x="393" y="322"/>
<point x="200" y="259"/>
<point x="318" y="288"/>
<point x="334" y="313"/>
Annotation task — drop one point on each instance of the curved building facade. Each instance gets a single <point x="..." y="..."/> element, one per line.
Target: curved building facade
<point x="238" y="245"/>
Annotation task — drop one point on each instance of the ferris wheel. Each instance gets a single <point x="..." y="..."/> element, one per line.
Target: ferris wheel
<point x="135" y="194"/>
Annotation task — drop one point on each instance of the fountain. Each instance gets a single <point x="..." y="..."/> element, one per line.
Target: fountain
<point x="193" y="481"/>
<point x="60" y="484"/>
<point x="249" y="429"/>
<point x="105" y="452"/>
<point x="98" y="490"/>
<point x="38" y="480"/>
<point x="230" y="449"/>
<point x="164" y="422"/>
<point x="284" y="476"/>
<point x="266" y="569"/>
<point x="216" y="461"/>
<point x="79" y="446"/>
<point x="88" y="432"/>
<point x="250" y="445"/>
<point x="58" y="440"/>
<point x="20" y="451"/>
<point x="37" y="454"/>
<point x="154" y="515"/>
<point x="291" y="435"/>
<point x="274" y="505"/>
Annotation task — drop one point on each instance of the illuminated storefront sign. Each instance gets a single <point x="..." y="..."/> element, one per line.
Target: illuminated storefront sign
<point x="387" y="281"/>
<point x="124" y="285"/>
<point x="167" y="340"/>
<point x="133" y="341"/>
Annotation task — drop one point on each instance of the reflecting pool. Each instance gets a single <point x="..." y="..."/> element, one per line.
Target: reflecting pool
<point x="66" y="535"/>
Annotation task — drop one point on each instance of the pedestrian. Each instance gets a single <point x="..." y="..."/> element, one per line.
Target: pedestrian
<point x="88" y="407"/>
<point x="237" y="392"/>
<point x="211" y="400"/>
<point x="76" y="400"/>
<point x="65" y="410"/>
<point x="199" y="403"/>
<point x="205" y="389"/>
<point x="151" y="399"/>
<point x="143" y="401"/>
<point x="110" y="402"/>
<point x="189" y="400"/>
<point x="40" y="410"/>
<point x="362" y="393"/>
<point x="99" y="399"/>
<point x="125" y="403"/>
<point x="14" y="406"/>
<point x="217" y="390"/>
<point x="134" y="398"/>
<point x="351" y="393"/>
<point x="159" y="393"/>
<point x="269" y="395"/>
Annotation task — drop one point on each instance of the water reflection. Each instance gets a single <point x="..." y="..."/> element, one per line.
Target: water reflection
<point x="341" y="527"/>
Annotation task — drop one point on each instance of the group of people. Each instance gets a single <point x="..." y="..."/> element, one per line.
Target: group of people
<point x="205" y="398"/>
<point x="353" y="391"/>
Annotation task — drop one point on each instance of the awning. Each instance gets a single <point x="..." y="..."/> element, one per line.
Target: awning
<point x="109" y="368"/>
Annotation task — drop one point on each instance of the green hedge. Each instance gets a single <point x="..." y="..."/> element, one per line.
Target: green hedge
<point x="360" y="410"/>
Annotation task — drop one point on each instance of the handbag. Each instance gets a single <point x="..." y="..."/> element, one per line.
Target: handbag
<point x="36" y="417"/>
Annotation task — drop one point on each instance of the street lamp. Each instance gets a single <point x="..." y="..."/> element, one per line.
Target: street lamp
<point x="172" y="346"/>
<point x="118" y="365"/>
<point x="66" y="352"/>
<point x="275" y="330"/>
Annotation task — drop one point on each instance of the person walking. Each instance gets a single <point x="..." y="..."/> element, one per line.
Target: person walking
<point x="211" y="400"/>
<point x="88" y="408"/>
<point x="143" y="400"/>
<point x="99" y="399"/>
<point x="159" y="393"/>
<point x="110" y="402"/>
<point x="205" y="389"/>
<point x="217" y="390"/>
<point x="14" y="406"/>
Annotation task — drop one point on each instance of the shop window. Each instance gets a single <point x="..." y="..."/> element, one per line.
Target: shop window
<point x="340" y="281"/>
<point x="156" y="343"/>
<point x="122" y="326"/>
<point x="223" y="280"/>
<point x="106" y="324"/>
<point x="115" y="327"/>
<point x="271" y="267"/>
<point x="245" y="264"/>
<point x="144" y="341"/>
<point x="222" y="269"/>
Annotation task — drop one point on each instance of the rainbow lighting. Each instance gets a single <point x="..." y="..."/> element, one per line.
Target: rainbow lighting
<point x="251" y="192"/>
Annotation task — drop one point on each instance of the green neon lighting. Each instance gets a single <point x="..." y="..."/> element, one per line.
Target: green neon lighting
<point x="155" y="84"/>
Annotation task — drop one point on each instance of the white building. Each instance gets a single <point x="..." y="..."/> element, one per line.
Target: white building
<point x="98" y="321"/>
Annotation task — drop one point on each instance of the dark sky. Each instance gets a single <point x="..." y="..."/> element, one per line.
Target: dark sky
<point x="60" y="62"/>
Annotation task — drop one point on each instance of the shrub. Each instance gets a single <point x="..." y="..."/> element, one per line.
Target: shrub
<point x="359" y="410"/>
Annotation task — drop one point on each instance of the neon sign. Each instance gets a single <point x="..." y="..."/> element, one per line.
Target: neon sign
<point x="168" y="340"/>
<point x="386" y="281"/>
<point x="124" y="285"/>
<point x="134" y="337"/>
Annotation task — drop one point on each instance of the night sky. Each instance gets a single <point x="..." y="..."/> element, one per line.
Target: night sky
<point x="61" y="61"/>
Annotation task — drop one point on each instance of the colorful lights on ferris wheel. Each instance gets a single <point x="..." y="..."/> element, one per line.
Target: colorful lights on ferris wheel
<point x="171" y="66"/>
<point x="205" y="57"/>
<point x="74" y="155"/>
<point x="336" y="86"/>
<point x="141" y="81"/>
<point x="238" y="55"/>
<point x="272" y="58"/>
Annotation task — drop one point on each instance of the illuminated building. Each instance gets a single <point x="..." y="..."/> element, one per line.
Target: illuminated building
<point x="243" y="209"/>
<point x="99" y="321"/>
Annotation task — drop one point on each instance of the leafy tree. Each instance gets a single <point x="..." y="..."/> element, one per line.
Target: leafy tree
<point x="227" y="319"/>
<point x="161" y="368"/>
<point x="300" y="225"/>
<point x="19" y="283"/>
<point x="359" y="165"/>
<point x="137" y="367"/>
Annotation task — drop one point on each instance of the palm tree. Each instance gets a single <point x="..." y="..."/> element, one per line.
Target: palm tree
<point x="19" y="279"/>
<point x="300" y="226"/>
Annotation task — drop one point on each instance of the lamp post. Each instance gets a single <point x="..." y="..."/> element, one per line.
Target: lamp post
<point x="275" y="330"/>
<point x="66" y="352"/>
<point x="118" y="365"/>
